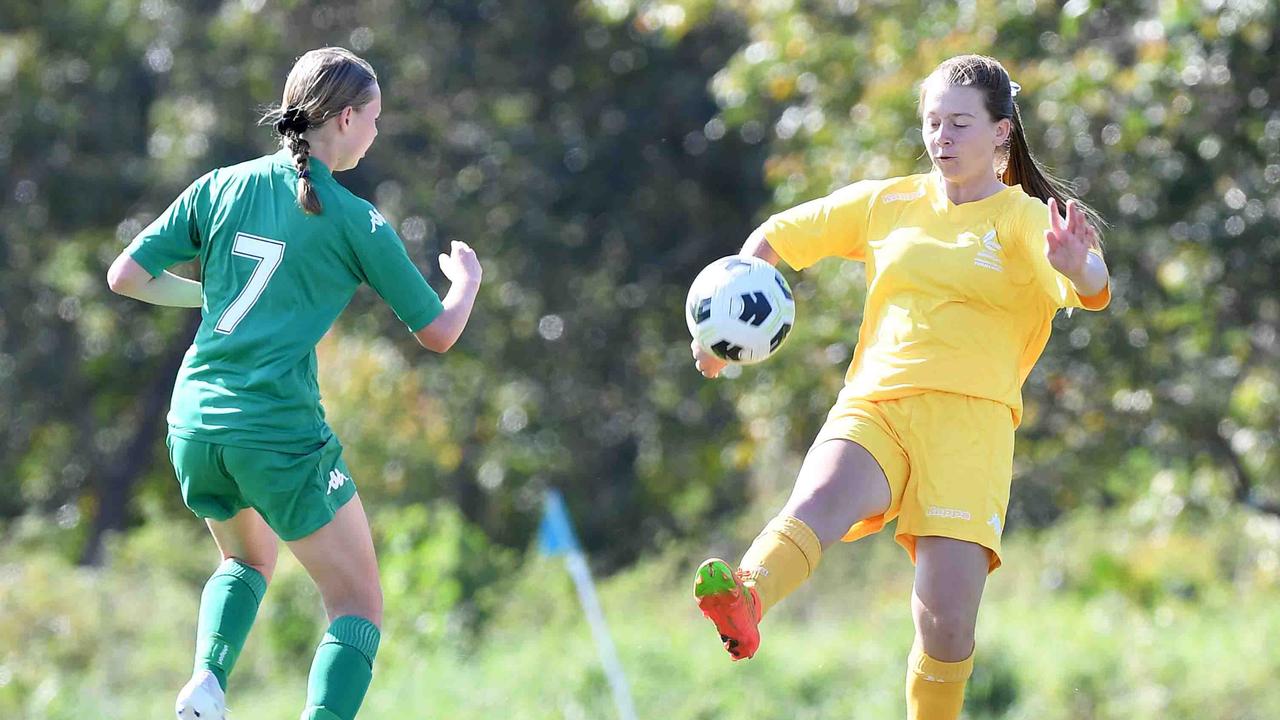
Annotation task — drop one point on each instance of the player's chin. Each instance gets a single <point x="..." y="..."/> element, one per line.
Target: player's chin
<point x="950" y="169"/>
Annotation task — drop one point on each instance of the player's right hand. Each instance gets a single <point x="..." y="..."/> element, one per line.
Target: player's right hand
<point x="461" y="265"/>
<point x="709" y="365"/>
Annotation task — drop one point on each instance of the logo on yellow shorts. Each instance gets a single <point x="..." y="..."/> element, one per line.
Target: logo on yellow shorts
<point x="952" y="513"/>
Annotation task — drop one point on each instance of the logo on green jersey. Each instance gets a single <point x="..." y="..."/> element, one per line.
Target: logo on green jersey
<point x="376" y="219"/>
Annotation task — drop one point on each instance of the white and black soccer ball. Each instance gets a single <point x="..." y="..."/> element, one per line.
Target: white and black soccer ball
<point x="740" y="308"/>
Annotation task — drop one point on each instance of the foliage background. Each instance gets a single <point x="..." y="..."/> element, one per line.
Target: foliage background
<point x="597" y="154"/>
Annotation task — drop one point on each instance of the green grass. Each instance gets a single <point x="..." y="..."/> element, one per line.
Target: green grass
<point x="1094" y="619"/>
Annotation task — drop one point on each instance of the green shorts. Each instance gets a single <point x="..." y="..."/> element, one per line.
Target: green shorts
<point x="296" y="494"/>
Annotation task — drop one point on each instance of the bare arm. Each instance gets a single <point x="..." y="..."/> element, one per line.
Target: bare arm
<point x="463" y="270"/>
<point x="1093" y="279"/>
<point x="126" y="277"/>
<point x="757" y="245"/>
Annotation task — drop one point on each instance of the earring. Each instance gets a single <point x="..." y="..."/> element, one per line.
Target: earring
<point x="1002" y="162"/>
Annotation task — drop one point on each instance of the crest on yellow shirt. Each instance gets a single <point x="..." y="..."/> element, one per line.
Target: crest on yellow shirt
<point x="989" y="253"/>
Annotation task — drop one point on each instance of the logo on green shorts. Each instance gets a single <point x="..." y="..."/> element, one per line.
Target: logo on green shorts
<point x="336" y="480"/>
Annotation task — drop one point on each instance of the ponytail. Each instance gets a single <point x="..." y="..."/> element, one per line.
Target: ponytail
<point x="291" y="125"/>
<point x="1021" y="168"/>
<point x="321" y="85"/>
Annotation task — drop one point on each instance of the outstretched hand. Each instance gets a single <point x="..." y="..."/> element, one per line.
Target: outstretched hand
<point x="709" y="365"/>
<point x="1069" y="241"/>
<point x="461" y="265"/>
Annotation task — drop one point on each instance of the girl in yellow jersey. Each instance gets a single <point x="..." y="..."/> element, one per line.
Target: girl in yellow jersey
<point x="966" y="267"/>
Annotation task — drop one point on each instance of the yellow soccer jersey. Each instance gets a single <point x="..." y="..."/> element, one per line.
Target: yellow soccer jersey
<point x="960" y="298"/>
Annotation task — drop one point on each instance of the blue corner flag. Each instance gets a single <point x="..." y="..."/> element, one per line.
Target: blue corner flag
<point x="555" y="535"/>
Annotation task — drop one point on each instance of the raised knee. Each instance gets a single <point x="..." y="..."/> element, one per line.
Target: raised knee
<point x="948" y="637"/>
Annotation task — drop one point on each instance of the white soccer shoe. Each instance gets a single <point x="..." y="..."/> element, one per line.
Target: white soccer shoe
<point x="201" y="699"/>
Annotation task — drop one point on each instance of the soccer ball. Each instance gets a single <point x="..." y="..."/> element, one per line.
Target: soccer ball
<point x="740" y="309"/>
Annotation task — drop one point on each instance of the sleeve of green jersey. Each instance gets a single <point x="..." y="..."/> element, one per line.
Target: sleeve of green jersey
<point x="386" y="267"/>
<point x="174" y="237"/>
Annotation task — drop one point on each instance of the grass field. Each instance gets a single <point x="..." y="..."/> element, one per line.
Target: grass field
<point x="1100" y="617"/>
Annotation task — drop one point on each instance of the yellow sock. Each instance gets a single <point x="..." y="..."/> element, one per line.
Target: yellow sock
<point x="935" y="689"/>
<point x="780" y="559"/>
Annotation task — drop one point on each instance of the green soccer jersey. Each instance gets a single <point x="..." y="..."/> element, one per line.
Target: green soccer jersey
<point x="275" y="279"/>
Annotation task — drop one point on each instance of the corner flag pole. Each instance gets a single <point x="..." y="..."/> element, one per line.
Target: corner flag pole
<point x="555" y="537"/>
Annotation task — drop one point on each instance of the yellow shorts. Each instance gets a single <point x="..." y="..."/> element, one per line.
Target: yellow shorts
<point x="948" y="459"/>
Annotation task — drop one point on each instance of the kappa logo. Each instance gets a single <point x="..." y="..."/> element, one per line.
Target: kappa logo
<point x="900" y="197"/>
<point x="375" y="220"/>
<point x="995" y="524"/>
<point x="989" y="253"/>
<point x="336" y="480"/>
<point x="952" y="513"/>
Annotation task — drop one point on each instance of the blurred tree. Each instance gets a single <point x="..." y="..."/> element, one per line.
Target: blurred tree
<point x="570" y="151"/>
<point x="81" y="381"/>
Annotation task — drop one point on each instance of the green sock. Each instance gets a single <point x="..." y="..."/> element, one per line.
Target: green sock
<point x="342" y="669"/>
<point x="227" y="609"/>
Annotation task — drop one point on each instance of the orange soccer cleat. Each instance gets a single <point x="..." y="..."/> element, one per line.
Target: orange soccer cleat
<point x="731" y="604"/>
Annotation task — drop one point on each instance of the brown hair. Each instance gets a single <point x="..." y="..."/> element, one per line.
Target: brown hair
<point x="322" y="83"/>
<point x="988" y="75"/>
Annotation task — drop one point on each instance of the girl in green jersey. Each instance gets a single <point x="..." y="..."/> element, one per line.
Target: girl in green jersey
<point x="282" y="248"/>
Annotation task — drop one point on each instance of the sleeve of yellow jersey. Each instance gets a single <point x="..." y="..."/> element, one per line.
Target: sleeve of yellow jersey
<point x="831" y="226"/>
<point x="1059" y="290"/>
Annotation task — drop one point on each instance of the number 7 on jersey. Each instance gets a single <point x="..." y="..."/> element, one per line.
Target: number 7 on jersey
<point x="268" y="253"/>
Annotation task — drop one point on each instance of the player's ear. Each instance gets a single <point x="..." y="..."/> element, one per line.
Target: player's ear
<point x="1004" y="128"/>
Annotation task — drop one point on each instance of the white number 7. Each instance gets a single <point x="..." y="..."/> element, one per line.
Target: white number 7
<point x="268" y="253"/>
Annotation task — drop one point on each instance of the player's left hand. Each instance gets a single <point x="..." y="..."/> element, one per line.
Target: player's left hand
<point x="461" y="265"/>
<point x="1068" y="241"/>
